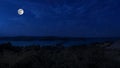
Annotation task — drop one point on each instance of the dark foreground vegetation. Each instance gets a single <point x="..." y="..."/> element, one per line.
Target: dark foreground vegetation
<point x="97" y="55"/>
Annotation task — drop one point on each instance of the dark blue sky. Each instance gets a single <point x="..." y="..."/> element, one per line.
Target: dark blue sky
<point x="76" y="18"/>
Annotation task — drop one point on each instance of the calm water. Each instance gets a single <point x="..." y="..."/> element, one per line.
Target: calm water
<point x="47" y="43"/>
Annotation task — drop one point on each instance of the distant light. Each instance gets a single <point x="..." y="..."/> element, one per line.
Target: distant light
<point x="20" y="11"/>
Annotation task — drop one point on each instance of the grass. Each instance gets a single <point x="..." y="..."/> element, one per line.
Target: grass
<point x="87" y="56"/>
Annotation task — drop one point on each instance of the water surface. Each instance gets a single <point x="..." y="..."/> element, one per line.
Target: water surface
<point x="52" y="43"/>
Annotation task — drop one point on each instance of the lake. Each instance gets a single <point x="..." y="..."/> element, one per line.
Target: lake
<point x="55" y="42"/>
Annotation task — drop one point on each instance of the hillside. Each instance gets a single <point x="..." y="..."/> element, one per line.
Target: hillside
<point x="96" y="55"/>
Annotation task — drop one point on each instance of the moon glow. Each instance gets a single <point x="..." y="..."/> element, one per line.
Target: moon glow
<point x="20" y="11"/>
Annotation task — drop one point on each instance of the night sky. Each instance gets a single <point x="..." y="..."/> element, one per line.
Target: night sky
<point x="73" y="18"/>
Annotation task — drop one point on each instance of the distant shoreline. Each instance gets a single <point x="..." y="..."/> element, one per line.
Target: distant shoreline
<point x="51" y="38"/>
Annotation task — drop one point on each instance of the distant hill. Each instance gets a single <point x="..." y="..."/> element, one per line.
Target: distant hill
<point x="30" y="38"/>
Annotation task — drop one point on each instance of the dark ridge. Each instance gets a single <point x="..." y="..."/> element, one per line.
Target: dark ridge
<point x="31" y="38"/>
<point x="51" y="38"/>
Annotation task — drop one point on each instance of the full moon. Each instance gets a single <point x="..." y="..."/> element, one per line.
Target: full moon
<point x="20" y="11"/>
